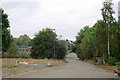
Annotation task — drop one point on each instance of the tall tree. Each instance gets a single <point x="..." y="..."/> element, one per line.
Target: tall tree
<point x="82" y="43"/>
<point x="100" y="41"/>
<point x="46" y="45"/>
<point x="43" y="44"/>
<point x="13" y="48"/>
<point x="6" y="37"/>
<point x="92" y="41"/>
<point x="23" y="40"/>
<point x="84" y="46"/>
<point x="107" y="13"/>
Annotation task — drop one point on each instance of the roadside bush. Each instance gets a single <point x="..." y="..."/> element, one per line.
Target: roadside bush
<point x="61" y="50"/>
<point x="117" y="63"/>
<point x="79" y="53"/>
<point x="112" y="61"/>
<point x="94" y="59"/>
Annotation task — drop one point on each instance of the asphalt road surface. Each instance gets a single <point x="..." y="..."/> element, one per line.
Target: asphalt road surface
<point x="73" y="69"/>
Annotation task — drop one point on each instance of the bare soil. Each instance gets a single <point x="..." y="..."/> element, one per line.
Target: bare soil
<point x="9" y="67"/>
<point x="73" y="69"/>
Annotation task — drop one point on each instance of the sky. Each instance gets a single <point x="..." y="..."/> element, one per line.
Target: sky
<point x="67" y="17"/>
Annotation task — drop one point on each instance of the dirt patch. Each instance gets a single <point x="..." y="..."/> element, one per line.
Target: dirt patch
<point x="9" y="66"/>
<point x="73" y="69"/>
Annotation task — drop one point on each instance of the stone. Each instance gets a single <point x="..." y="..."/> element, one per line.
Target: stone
<point x="49" y="64"/>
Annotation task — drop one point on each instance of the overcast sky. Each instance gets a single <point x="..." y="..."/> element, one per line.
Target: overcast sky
<point x="66" y="16"/>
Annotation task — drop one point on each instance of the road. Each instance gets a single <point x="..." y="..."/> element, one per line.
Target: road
<point x="73" y="69"/>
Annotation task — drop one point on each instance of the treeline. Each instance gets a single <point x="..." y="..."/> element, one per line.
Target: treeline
<point x="45" y="44"/>
<point x="16" y="47"/>
<point x="102" y="40"/>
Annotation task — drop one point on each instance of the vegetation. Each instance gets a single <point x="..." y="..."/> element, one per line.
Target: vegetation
<point x="101" y="40"/>
<point x="46" y="45"/>
<point x="23" y="40"/>
<point x="6" y="37"/>
<point x="13" y="48"/>
<point x="61" y="49"/>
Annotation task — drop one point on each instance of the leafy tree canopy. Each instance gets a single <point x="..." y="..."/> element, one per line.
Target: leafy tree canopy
<point x="6" y="37"/>
<point x="45" y="45"/>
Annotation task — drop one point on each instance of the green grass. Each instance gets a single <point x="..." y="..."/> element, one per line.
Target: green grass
<point x="12" y="66"/>
<point x="28" y="67"/>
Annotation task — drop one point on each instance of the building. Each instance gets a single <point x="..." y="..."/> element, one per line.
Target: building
<point x="119" y="10"/>
<point x="24" y="49"/>
<point x="68" y="45"/>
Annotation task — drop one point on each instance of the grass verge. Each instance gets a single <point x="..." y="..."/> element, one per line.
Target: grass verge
<point x="105" y="67"/>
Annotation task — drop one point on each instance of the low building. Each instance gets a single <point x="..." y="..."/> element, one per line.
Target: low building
<point x="24" y="49"/>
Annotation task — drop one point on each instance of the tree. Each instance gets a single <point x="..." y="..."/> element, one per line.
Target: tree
<point x="73" y="47"/>
<point x="82" y="46"/>
<point x="46" y="45"/>
<point x="23" y="40"/>
<point x="13" y="48"/>
<point x="61" y="50"/>
<point x="92" y="41"/>
<point x="114" y="40"/>
<point x="43" y="44"/>
<point x="80" y="35"/>
<point x="6" y="37"/>
<point x="0" y="30"/>
<point x="118" y="38"/>
<point x="101" y="42"/>
<point x="107" y="13"/>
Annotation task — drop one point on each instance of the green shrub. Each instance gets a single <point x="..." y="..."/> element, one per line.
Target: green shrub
<point x="112" y="61"/>
<point x="94" y="59"/>
<point x="61" y="49"/>
<point x="117" y="63"/>
<point x="13" y="48"/>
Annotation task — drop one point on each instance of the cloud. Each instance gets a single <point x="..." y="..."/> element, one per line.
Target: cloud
<point x="66" y="16"/>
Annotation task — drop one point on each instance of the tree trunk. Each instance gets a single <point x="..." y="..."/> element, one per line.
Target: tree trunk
<point x="54" y="53"/>
<point x="103" y="59"/>
<point x="108" y="42"/>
